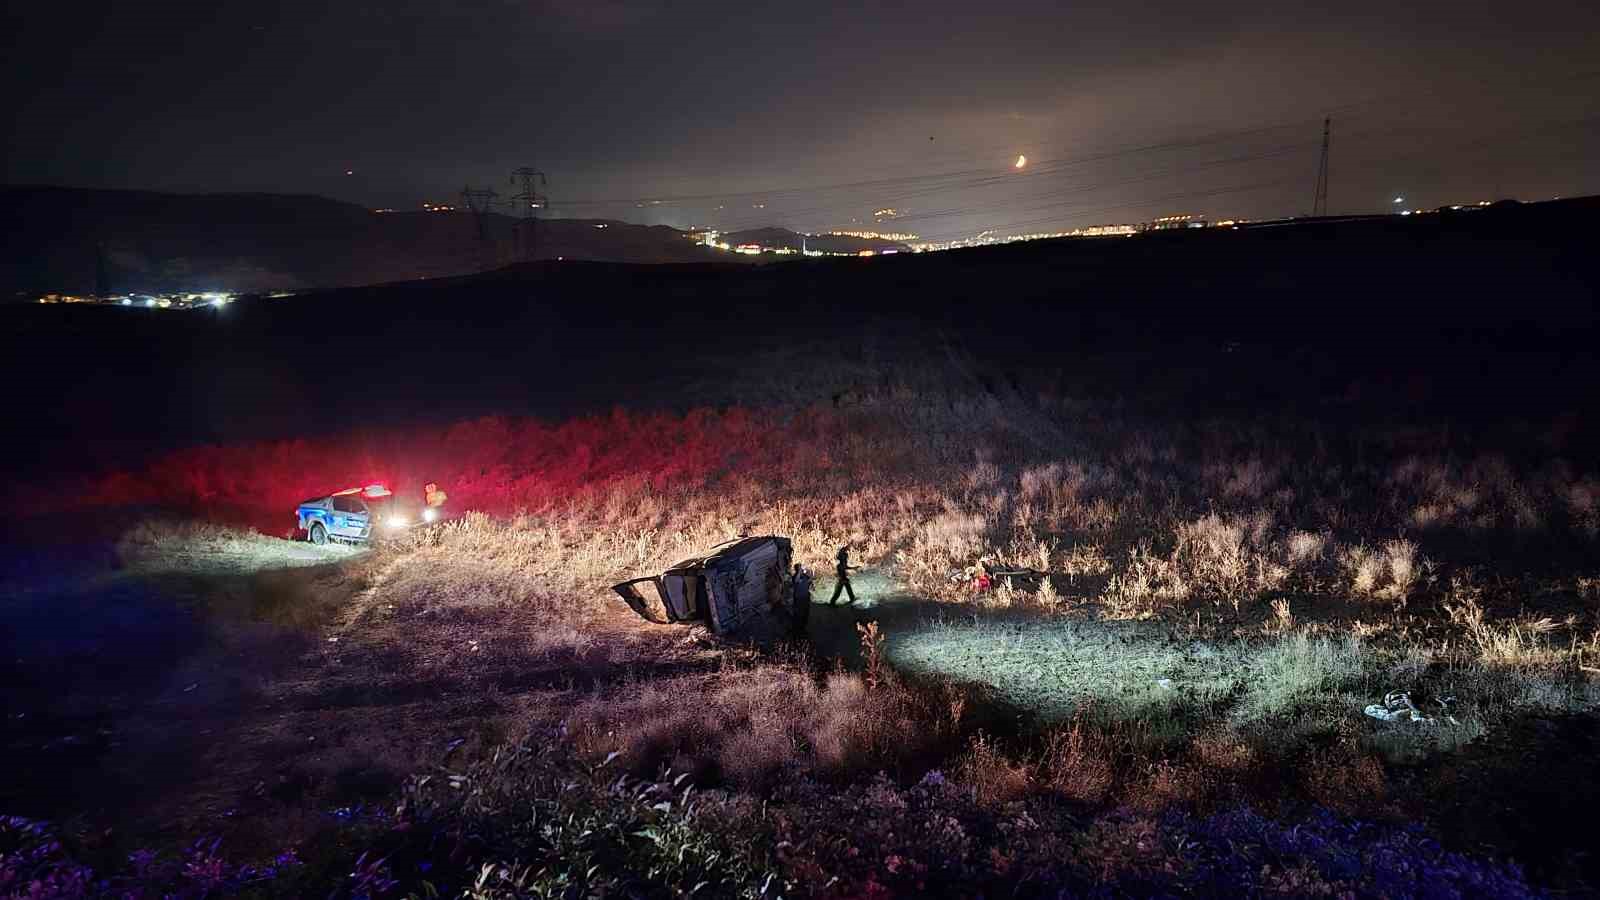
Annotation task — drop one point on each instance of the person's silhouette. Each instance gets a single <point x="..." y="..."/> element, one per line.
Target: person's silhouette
<point x="801" y="582"/>
<point x="842" y="571"/>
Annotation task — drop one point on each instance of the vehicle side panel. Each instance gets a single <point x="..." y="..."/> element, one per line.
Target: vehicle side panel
<point x="345" y="525"/>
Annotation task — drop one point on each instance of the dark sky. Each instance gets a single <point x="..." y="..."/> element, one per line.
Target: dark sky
<point x="813" y="115"/>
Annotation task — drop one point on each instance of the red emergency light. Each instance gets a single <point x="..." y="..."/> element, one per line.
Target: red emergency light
<point x="370" y="491"/>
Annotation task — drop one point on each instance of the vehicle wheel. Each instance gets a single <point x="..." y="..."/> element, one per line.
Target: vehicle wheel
<point x="319" y="535"/>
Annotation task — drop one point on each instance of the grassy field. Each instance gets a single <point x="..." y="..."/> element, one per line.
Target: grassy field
<point x="1173" y="689"/>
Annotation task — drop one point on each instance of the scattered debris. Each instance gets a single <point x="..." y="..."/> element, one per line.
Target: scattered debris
<point x="1397" y="707"/>
<point x="985" y="573"/>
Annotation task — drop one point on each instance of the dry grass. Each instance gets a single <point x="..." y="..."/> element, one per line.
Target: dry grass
<point x="992" y="775"/>
<point x="748" y="726"/>
<point x="1520" y="643"/>
<point x="1205" y="609"/>
<point x="1144" y="518"/>
<point x="1129" y="529"/>
<point x="1079" y="762"/>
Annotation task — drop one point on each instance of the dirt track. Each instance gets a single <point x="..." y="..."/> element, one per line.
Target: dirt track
<point x="248" y="687"/>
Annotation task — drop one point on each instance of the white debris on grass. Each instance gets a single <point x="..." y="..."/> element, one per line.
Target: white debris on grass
<point x="1397" y="707"/>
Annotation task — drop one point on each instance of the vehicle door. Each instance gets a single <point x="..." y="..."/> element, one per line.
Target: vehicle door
<point x="650" y="605"/>
<point x="350" y="518"/>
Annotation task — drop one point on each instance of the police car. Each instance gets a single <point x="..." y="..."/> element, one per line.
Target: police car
<point x="358" y="514"/>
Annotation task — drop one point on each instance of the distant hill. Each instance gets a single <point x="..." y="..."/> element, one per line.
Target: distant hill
<point x="149" y="242"/>
<point x="1297" y="311"/>
<point x="794" y="240"/>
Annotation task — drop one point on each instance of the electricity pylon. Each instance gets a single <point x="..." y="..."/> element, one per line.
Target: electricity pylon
<point x="528" y="201"/>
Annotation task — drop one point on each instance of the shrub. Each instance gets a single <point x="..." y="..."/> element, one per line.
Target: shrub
<point x="1078" y="762"/>
<point x="746" y="726"/>
<point x="35" y="863"/>
<point x="1288" y="673"/>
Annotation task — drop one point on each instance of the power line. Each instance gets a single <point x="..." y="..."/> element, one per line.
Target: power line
<point x="898" y="189"/>
<point x="1010" y="205"/>
<point x="1477" y="141"/>
<point x="978" y="176"/>
<point x="1007" y="205"/>
<point x="981" y="177"/>
<point x="1319" y="201"/>
<point x="1168" y="198"/>
<point x="828" y="199"/>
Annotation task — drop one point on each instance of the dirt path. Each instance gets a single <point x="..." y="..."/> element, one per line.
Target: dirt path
<point x="248" y="687"/>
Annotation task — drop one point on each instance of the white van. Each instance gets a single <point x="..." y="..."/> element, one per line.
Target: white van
<point x="729" y="589"/>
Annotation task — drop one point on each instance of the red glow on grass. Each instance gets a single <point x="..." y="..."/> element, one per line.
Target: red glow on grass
<point x="495" y="465"/>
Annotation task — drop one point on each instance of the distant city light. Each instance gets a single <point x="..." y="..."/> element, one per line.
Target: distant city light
<point x="179" y="300"/>
<point x="1399" y="200"/>
<point x="873" y="235"/>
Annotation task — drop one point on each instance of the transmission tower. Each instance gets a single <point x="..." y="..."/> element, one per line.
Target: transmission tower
<point x="1319" y="203"/>
<point x="480" y="201"/>
<point x="528" y="201"/>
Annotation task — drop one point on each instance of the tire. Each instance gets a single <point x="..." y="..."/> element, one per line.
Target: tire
<point x="319" y="535"/>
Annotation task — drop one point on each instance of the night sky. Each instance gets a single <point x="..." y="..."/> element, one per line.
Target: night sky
<point x="814" y="115"/>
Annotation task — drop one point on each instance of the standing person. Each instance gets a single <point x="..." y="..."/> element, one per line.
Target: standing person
<point x="800" y="581"/>
<point x="432" y="501"/>
<point x="842" y="571"/>
<point x="432" y="495"/>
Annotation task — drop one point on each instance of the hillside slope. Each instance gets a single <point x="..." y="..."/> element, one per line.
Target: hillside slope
<point x="152" y="242"/>
<point x="1492" y="312"/>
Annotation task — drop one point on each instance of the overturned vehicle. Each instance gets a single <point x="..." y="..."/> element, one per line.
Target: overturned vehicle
<point x="735" y="588"/>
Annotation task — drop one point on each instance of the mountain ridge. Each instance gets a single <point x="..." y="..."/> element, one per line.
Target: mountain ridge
<point x="89" y="240"/>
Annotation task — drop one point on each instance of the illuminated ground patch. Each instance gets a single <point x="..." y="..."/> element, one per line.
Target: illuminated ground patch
<point x="1131" y="671"/>
<point x="874" y="588"/>
<point x="203" y="549"/>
